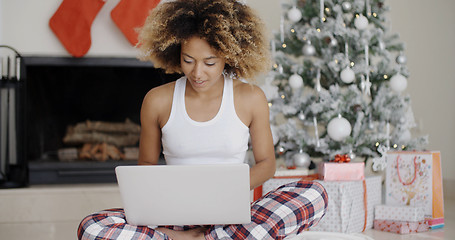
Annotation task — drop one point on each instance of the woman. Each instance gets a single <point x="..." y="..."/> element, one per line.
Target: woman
<point x="208" y="116"/>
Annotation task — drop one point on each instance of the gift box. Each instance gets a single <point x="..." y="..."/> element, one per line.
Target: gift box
<point x="401" y="227"/>
<point x="415" y="179"/>
<point x="351" y="205"/>
<point x="436" y="223"/>
<point x="281" y="177"/>
<point x="399" y="213"/>
<point x="332" y="171"/>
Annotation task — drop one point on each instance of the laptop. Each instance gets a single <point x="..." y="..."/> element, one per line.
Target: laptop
<point x="185" y="194"/>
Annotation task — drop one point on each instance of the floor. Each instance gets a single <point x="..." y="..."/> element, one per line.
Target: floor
<point x="54" y="212"/>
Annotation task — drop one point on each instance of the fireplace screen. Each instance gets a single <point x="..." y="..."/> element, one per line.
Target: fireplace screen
<point x="83" y="116"/>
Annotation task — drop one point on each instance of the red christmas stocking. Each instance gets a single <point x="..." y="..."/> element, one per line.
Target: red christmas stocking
<point x="129" y="15"/>
<point x="71" y="23"/>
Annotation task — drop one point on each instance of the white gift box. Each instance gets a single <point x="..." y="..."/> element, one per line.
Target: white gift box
<point x="399" y="213"/>
<point x="346" y="211"/>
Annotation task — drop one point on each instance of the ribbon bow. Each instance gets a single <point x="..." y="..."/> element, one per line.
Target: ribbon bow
<point x="342" y="158"/>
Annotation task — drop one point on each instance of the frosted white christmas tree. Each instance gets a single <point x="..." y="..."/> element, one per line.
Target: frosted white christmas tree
<point x="337" y="82"/>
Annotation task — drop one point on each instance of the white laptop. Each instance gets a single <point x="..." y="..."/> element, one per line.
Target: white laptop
<point x="185" y="194"/>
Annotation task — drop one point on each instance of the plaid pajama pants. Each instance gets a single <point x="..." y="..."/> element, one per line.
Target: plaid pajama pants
<point x="286" y="211"/>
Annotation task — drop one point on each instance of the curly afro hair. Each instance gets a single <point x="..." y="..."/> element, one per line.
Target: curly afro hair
<point x="231" y="28"/>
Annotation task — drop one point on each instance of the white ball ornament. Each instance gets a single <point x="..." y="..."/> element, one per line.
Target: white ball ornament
<point x="339" y="128"/>
<point x="346" y="6"/>
<point x="401" y="59"/>
<point x="347" y="75"/>
<point x="301" y="116"/>
<point x="398" y="83"/>
<point x="333" y="42"/>
<point x="308" y="50"/>
<point x="301" y="160"/>
<point x="294" y="14"/>
<point x="405" y="136"/>
<point x="295" y="81"/>
<point x="361" y="22"/>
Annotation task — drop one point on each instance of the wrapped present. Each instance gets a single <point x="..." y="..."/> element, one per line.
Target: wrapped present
<point x="401" y="227"/>
<point x="415" y="179"/>
<point x="436" y="223"/>
<point x="351" y="205"/>
<point x="332" y="171"/>
<point x="399" y="213"/>
<point x="281" y="177"/>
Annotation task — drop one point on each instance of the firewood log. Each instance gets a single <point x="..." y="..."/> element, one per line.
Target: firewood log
<point x="96" y="137"/>
<point x="85" y="151"/>
<point x="114" y="127"/>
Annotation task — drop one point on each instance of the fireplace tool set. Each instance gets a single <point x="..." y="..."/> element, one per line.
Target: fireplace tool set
<point x="13" y="170"/>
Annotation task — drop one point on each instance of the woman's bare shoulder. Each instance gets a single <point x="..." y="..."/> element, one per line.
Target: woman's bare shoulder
<point x="157" y="104"/>
<point x="249" y="93"/>
<point x="160" y="95"/>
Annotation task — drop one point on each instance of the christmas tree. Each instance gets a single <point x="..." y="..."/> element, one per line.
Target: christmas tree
<point x="336" y="87"/>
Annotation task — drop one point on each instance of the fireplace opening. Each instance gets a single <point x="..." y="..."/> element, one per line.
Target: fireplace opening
<point x="103" y="95"/>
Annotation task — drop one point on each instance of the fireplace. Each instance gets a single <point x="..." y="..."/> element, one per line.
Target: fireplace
<point x="62" y="92"/>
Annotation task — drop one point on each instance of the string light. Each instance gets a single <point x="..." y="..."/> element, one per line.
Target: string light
<point x="352" y="64"/>
<point x="275" y="65"/>
<point x="282" y="96"/>
<point x="270" y="104"/>
<point x="395" y="145"/>
<point x="323" y="19"/>
<point x="327" y="10"/>
<point x="403" y="146"/>
<point x="284" y="45"/>
<point x="292" y="30"/>
<point x="377" y="144"/>
<point x="385" y="76"/>
<point x="318" y="29"/>
<point x="375" y="14"/>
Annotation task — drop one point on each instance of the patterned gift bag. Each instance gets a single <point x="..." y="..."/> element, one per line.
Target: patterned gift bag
<point x="415" y="179"/>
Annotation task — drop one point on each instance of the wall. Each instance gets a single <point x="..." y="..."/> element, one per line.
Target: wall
<point x="424" y="26"/>
<point x="427" y="29"/>
<point x="25" y="27"/>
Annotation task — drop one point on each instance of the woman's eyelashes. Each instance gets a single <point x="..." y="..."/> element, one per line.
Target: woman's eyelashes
<point x="206" y="63"/>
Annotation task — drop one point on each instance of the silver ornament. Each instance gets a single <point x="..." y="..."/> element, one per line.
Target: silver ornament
<point x="301" y="159"/>
<point x="370" y="122"/>
<point x="308" y="50"/>
<point x="402" y="120"/>
<point x="333" y="42"/>
<point x="346" y="6"/>
<point x="301" y="116"/>
<point x="280" y="150"/>
<point x="401" y="59"/>
<point x="352" y="155"/>
<point x="370" y="125"/>
<point x="280" y="69"/>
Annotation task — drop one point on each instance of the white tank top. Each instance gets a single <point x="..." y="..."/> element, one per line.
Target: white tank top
<point x="223" y="139"/>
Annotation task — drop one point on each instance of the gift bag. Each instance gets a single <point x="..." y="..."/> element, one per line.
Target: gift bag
<point x="415" y="179"/>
